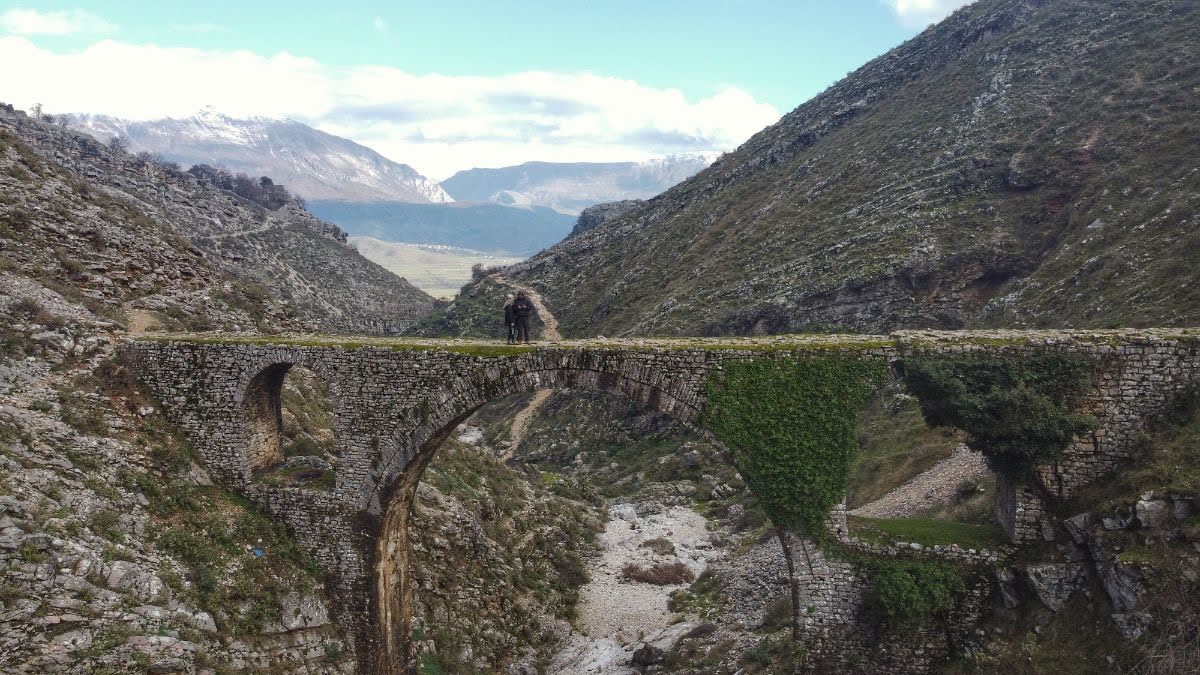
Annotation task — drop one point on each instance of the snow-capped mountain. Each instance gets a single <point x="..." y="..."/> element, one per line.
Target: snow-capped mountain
<point x="571" y="187"/>
<point x="310" y="163"/>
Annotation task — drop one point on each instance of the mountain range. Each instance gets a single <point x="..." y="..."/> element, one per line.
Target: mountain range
<point x="572" y="187"/>
<point x="309" y="162"/>
<point x="518" y="209"/>
<point x="1024" y="163"/>
<point x="485" y="226"/>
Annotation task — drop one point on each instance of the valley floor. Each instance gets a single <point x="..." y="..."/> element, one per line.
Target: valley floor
<point x="618" y="616"/>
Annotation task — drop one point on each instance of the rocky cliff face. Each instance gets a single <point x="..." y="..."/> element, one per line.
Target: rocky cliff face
<point x="287" y="254"/>
<point x="1022" y="163"/>
<point x="595" y="216"/>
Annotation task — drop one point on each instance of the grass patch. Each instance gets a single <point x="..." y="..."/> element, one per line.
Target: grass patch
<point x="925" y="531"/>
<point x="703" y="598"/>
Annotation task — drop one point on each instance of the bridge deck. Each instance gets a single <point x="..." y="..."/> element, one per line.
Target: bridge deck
<point x="482" y="347"/>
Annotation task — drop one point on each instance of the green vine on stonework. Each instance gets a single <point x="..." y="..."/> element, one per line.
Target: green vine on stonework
<point x="1018" y="411"/>
<point x="790" y="426"/>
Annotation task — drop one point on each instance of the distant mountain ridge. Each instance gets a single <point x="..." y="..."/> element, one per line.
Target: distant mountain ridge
<point x="492" y="228"/>
<point x="572" y="187"/>
<point x="309" y="162"/>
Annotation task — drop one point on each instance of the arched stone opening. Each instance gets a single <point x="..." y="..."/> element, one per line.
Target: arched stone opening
<point x="263" y="414"/>
<point x="289" y="421"/>
<point x="906" y="470"/>
<point x="392" y="576"/>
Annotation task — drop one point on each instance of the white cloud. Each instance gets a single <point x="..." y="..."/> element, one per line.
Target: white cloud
<point x="380" y="24"/>
<point x="436" y="123"/>
<point x="921" y="13"/>
<point x="65" y="22"/>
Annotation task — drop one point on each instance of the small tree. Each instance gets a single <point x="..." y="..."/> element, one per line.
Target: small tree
<point x="118" y="144"/>
<point x="1018" y="411"/>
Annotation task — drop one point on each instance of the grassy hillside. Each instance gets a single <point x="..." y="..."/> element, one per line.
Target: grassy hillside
<point x="1021" y="163"/>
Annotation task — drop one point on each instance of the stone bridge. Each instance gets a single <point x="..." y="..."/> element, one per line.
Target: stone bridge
<point x="395" y="401"/>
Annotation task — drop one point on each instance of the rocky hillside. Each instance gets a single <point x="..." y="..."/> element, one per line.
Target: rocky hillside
<point x="286" y="254"/>
<point x="116" y="551"/>
<point x="570" y="188"/>
<point x="312" y="163"/>
<point x="1025" y="162"/>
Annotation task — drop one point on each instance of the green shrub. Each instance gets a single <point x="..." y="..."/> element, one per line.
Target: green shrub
<point x="1018" y="411"/>
<point x="911" y="593"/>
<point x="107" y="524"/>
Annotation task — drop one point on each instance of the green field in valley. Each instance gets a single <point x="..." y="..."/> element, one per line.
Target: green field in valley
<point x="438" y="270"/>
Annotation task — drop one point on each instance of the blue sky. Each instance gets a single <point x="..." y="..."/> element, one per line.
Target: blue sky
<point x="459" y="83"/>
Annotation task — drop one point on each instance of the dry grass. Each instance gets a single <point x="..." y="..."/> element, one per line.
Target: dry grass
<point x="661" y="574"/>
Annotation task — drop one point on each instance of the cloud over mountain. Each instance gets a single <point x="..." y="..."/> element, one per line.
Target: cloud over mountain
<point x="438" y="123"/>
<point x="924" y="12"/>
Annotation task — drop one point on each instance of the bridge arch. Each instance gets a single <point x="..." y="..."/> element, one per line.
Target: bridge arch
<point x="262" y="406"/>
<point x="458" y="400"/>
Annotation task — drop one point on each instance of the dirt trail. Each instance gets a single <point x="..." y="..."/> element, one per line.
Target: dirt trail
<point x="141" y="321"/>
<point x="520" y="423"/>
<point x="550" y="330"/>
<point x="936" y="486"/>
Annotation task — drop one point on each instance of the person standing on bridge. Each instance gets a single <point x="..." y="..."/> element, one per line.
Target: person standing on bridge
<point x="510" y="319"/>
<point x="522" y="307"/>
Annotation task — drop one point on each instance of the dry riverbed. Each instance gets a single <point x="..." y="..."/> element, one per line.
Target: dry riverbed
<point x="617" y="616"/>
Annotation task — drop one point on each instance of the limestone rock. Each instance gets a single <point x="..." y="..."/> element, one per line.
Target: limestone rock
<point x="1153" y="513"/>
<point x="1055" y="582"/>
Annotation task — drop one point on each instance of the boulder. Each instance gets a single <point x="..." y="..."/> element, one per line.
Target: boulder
<point x="1122" y="583"/>
<point x="647" y="655"/>
<point x="1006" y="582"/>
<point x="1080" y="526"/>
<point x="1153" y="513"/>
<point x="1053" y="583"/>
<point x="1132" y="625"/>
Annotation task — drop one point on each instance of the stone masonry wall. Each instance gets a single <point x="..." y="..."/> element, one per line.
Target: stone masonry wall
<point x="393" y="402"/>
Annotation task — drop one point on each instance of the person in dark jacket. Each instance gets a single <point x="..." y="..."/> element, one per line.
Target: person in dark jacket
<point x="510" y="319"/>
<point x="522" y="307"/>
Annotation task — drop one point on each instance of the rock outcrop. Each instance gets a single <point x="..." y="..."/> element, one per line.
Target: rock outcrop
<point x="594" y="216"/>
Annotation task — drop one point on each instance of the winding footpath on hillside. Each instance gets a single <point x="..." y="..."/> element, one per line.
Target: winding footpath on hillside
<point x="550" y="330"/>
<point x="520" y="424"/>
